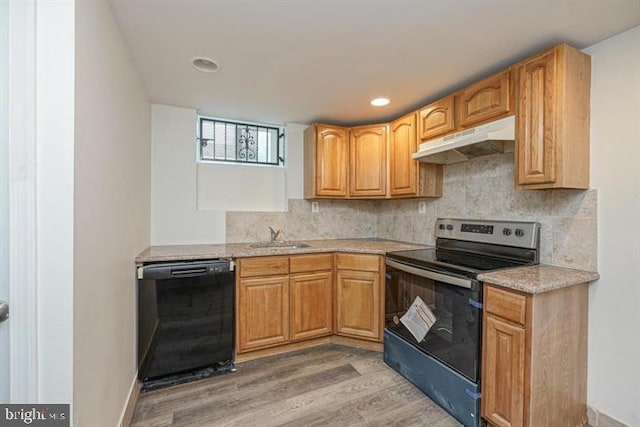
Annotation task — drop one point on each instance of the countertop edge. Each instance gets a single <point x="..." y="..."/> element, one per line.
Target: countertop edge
<point x="538" y="279"/>
<point x="243" y="250"/>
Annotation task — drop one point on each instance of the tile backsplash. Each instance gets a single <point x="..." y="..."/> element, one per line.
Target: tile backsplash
<point x="481" y="188"/>
<point x="341" y="219"/>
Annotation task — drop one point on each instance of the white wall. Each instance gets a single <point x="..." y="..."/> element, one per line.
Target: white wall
<point x="174" y="215"/>
<point x="225" y="187"/>
<point x="4" y="195"/>
<point x="190" y="199"/>
<point x="614" y="301"/>
<point x="112" y="213"/>
<point x="55" y="52"/>
<point x="295" y="160"/>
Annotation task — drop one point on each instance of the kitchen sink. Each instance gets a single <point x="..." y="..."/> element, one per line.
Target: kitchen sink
<point x="277" y="244"/>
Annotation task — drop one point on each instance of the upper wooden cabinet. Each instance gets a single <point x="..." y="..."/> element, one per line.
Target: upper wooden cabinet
<point x="488" y="99"/>
<point x="408" y="177"/>
<point x="437" y="118"/>
<point x="368" y="161"/>
<point x="552" y="120"/>
<point x="326" y="161"/>
<point x="549" y="94"/>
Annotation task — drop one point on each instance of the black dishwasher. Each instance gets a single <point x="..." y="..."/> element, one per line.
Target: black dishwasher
<point x="185" y="321"/>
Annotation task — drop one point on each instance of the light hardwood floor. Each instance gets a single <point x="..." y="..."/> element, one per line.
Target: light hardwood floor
<point x="327" y="385"/>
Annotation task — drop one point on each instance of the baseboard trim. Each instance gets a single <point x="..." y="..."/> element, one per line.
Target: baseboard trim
<point x="357" y="343"/>
<point x="126" y="418"/>
<point x="598" y="418"/>
<point x="286" y="348"/>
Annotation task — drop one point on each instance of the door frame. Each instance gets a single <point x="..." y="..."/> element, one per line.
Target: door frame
<point x="23" y="333"/>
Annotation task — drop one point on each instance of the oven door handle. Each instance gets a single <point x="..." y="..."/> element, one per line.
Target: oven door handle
<point x="428" y="274"/>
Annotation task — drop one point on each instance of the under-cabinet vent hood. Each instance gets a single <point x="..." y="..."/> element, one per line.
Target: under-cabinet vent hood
<point x="490" y="138"/>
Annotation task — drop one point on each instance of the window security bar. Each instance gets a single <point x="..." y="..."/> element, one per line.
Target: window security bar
<point x="235" y="142"/>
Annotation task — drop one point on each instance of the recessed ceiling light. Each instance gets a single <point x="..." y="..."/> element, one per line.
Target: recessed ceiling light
<point x="380" y="102"/>
<point x="206" y="65"/>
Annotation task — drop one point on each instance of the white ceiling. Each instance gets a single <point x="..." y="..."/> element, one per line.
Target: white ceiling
<point x="324" y="60"/>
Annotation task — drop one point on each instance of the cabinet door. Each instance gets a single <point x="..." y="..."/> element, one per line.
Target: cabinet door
<point x="358" y="304"/>
<point x="503" y="373"/>
<point x="403" y="170"/>
<point x="536" y="120"/>
<point x="437" y="118"/>
<point x="487" y="99"/>
<point x="311" y="298"/>
<point x="263" y="312"/>
<point x="368" y="161"/>
<point x="332" y="161"/>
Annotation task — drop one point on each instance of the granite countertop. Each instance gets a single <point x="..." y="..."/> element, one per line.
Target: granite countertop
<point x="240" y="250"/>
<point x="531" y="279"/>
<point x="537" y="279"/>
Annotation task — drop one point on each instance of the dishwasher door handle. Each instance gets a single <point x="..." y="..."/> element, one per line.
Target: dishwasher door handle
<point x="172" y="270"/>
<point x="189" y="272"/>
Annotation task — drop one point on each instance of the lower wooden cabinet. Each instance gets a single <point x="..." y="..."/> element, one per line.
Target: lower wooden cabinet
<point x="289" y="299"/>
<point x="311" y="305"/>
<point x="534" y="357"/>
<point x="274" y="307"/>
<point x="503" y="375"/>
<point x="359" y="296"/>
<point x="263" y="315"/>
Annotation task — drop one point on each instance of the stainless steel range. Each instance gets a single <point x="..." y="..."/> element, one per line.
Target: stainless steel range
<point x="433" y="306"/>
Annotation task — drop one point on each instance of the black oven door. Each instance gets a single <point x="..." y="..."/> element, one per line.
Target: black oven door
<point x="455" y="303"/>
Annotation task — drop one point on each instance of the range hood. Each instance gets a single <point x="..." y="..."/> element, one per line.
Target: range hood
<point x="489" y="138"/>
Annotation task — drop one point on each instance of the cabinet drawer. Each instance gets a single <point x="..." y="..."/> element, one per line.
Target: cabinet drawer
<point x="314" y="262"/>
<point x="506" y="304"/>
<point x="263" y="266"/>
<point x="358" y="262"/>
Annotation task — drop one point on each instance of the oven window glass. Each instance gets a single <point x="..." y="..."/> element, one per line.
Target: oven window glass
<point x="455" y="336"/>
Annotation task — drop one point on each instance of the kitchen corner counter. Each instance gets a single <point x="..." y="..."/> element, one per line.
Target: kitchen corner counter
<point x="241" y="250"/>
<point x="537" y="279"/>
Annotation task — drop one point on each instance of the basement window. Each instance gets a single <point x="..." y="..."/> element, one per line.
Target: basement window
<point x="238" y="142"/>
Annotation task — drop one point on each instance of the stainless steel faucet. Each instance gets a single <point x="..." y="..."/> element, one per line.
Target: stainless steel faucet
<point x="274" y="234"/>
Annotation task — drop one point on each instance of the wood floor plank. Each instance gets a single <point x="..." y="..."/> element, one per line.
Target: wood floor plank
<point x="164" y="420"/>
<point x="418" y="414"/>
<point x="322" y="399"/>
<point x="341" y="417"/>
<point x="257" y="397"/>
<point x="249" y="379"/>
<point x="326" y="385"/>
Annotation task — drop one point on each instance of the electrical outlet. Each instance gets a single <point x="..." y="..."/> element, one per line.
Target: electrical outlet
<point x="315" y="207"/>
<point x="422" y="207"/>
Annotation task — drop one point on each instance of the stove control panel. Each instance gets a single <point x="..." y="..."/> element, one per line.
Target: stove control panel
<point x="524" y="234"/>
<point x="475" y="228"/>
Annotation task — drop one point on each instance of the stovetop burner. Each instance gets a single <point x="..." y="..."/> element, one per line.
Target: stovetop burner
<point x="470" y="247"/>
<point x="455" y="262"/>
